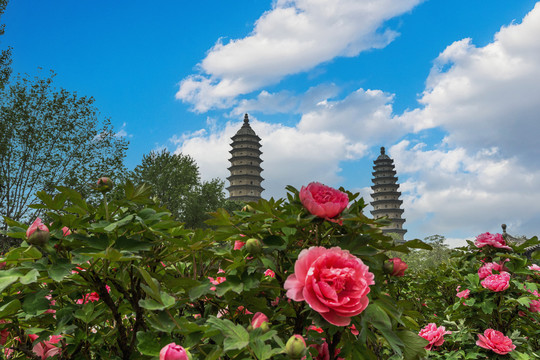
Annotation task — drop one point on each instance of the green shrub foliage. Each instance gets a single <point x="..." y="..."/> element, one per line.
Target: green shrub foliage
<point x="127" y="280"/>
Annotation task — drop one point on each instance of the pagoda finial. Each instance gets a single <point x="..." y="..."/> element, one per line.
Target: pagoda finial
<point x="382" y="150"/>
<point x="246" y="119"/>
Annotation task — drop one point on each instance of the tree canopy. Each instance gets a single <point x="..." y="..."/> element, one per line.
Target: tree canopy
<point x="50" y="137"/>
<point x="176" y="184"/>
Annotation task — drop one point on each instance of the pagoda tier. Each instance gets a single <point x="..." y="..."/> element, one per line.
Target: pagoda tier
<point x="245" y="179"/>
<point x="386" y="202"/>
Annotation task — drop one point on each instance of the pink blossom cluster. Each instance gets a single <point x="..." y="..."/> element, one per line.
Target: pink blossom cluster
<point x="496" y="341"/>
<point x="494" y="240"/>
<point x="332" y="281"/>
<point x="433" y="334"/>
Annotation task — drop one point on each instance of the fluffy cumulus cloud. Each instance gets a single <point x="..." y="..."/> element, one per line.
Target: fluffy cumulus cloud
<point x="462" y="193"/>
<point x="488" y="96"/>
<point x="293" y="37"/>
<point x="290" y="156"/>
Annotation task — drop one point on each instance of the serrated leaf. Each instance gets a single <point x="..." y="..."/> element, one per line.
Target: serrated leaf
<point x="10" y="308"/>
<point x="236" y="337"/>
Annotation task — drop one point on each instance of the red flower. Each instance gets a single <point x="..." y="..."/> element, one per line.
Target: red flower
<point x="323" y="201"/>
<point x="496" y="341"/>
<point x="46" y="349"/>
<point x="332" y="281"/>
<point x="495" y="240"/>
<point x="270" y="273"/>
<point x="488" y="268"/>
<point x="433" y="334"/>
<point x="497" y="282"/>
<point x="173" y="352"/>
<point x="396" y="266"/>
<point x="238" y="244"/>
<point x="259" y="320"/>
<point x="37" y="233"/>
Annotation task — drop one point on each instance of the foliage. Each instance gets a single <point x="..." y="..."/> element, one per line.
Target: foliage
<point x="176" y="184"/>
<point x="129" y="280"/>
<point x="422" y="260"/>
<point x="51" y="137"/>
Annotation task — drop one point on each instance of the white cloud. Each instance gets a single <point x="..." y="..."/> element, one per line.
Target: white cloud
<point x="293" y="37"/>
<point x="463" y="193"/>
<point x="487" y="97"/>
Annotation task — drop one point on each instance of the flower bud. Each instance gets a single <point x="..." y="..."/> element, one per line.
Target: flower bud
<point x="253" y="246"/>
<point x="395" y="267"/>
<point x="104" y="184"/>
<point x="173" y="352"/>
<point x="37" y="233"/>
<point x="248" y="208"/>
<point x="295" y="347"/>
<point x="260" y="320"/>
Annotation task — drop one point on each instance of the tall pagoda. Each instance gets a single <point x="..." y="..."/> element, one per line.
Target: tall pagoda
<point x="385" y="195"/>
<point x="245" y="166"/>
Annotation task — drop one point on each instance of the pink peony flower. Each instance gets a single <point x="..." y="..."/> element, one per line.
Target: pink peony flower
<point x="353" y="329"/>
<point x="464" y="294"/>
<point x="37" y="233"/>
<point x="396" y="266"/>
<point x="66" y="231"/>
<point x="495" y="340"/>
<point x="534" y="305"/>
<point x="238" y="244"/>
<point x="48" y="348"/>
<point x="173" y="352"/>
<point x="332" y="281"/>
<point x="91" y="297"/>
<point x="497" y="282"/>
<point x="270" y="273"/>
<point x="323" y="201"/>
<point x="218" y="280"/>
<point x="433" y="334"/>
<point x="258" y="320"/>
<point x="495" y="240"/>
<point x="534" y="267"/>
<point x="315" y="328"/>
<point x="488" y="268"/>
<point x="324" y="352"/>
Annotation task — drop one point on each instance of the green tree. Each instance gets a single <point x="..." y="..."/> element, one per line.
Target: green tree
<point x="176" y="184"/>
<point x="5" y="55"/>
<point x="51" y="137"/>
<point x="422" y="260"/>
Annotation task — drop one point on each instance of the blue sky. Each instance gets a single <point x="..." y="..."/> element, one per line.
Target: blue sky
<point x="449" y="87"/>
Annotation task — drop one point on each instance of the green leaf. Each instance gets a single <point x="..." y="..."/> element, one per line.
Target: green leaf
<point x="5" y="281"/>
<point x="236" y="337"/>
<point x="418" y="244"/>
<point x="487" y="307"/>
<point x="30" y="277"/>
<point x="414" y="344"/>
<point x="149" y="343"/>
<point x="10" y="308"/>
<point x="36" y="302"/>
<point x="60" y="270"/>
<point x="198" y="291"/>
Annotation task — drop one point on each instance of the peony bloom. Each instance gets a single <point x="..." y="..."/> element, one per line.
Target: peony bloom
<point x="332" y="281"/>
<point x="259" y="320"/>
<point x="324" y="352"/>
<point x="396" y="267"/>
<point x="238" y="245"/>
<point x="218" y="280"/>
<point x="534" y="305"/>
<point x="66" y="231"/>
<point x="433" y="334"/>
<point x="173" y="352"/>
<point x="270" y="273"/>
<point x="488" y="268"/>
<point x="495" y="340"/>
<point x="37" y="233"/>
<point x="48" y="348"/>
<point x="495" y="240"/>
<point x="463" y="294"/>
<point x="534" y="267"/>
<point x="88" y="297"/>
<point x="497" y="282"/>
<point x="323" y="201"/>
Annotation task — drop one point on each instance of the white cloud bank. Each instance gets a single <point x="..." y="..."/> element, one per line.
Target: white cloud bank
<point x="293" y="37"/>
<point x="485" y="172"/>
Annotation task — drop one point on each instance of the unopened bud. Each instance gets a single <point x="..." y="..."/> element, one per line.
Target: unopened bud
<point x="253" y="246"/>
<point x="295" y="347"/>
<point x="104" y="184"/>
<point x="248" y="208"/>
<point x="37" y="233"/>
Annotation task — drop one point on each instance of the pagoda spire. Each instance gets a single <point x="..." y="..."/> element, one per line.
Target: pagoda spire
<point x="245" y="179"/>
<point x="386" y="201"/>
